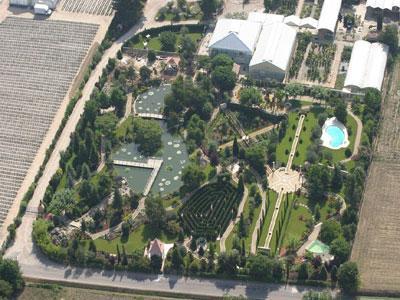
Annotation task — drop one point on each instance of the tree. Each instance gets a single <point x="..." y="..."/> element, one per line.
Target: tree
<point x="348" y="277"/>
<point x="221" y="60"/>
<point x="176" y="259"/>
<point x="145" y="73"/>
<point x="389" y="36"/>
<point x="255" y="156"/>
<point x="187" y="50"/>
<point x="250" y="96"/>
<point x="10" y="272"/>
<point x="224" y="79"/>
<point x="313" y="295"/>
<point x="303" y="271"/>
<point x="125" y="230"/>
<point x="337" y="179"/>
<point x="168" y="41"/>
<point x="151" y="56"/>
<point x="340" y="249"/>
<point x="156" y="263"/>
<point x="148" y="136"/>
<point x="155" y="212"/>
<point x="341" y="111"/>
<point x="323" y="273"/>
<point x="228" y="262"/>
<point x="62" y="201"/>
<point x="6" y="290"/>
<point x="128" y="12"/>
<point x="117" y="202"/>
<point x="240" y="185"/>
<point x="235" y="148"/>
<point x="317" y="182"/>
<point x="208" y="7"/>
<point x="317" y="212"/>
<point x="192" y="177"/>
<point x="330" y="230"/>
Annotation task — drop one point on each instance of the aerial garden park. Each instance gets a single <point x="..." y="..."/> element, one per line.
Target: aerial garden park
<point x="235" y="186"/>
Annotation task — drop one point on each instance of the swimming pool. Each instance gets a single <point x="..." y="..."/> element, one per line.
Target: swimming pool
<point x="334" y="134"/>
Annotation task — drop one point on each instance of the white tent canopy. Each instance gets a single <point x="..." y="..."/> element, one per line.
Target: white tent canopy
<point x="384" y="4"/>
<point x="309" y="22"/>
<point x="367" y="65"/>
<point x="265" y="18"/>
<point x="275" y="46"/>
<point x="329" y="15"/>
<point x="292" y="20"/>
<point x="236" y="35"/>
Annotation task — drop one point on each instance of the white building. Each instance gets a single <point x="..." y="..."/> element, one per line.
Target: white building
<point x="273" y="52"/>
<point x="367" y="66"/>
<point x="50" y="3"/>
<point x="328" y="19"/>
<point x="392" y="5"/>
<point x="236" y="38"/>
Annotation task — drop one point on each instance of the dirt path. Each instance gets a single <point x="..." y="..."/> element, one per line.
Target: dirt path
<point x="357" y="141"/>
<point x="299" y="7"/>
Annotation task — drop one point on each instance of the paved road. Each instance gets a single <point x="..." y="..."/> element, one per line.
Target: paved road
<point x="52" y="272"/>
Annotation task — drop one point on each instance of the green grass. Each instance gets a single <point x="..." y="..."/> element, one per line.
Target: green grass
<point x="264" y="229"/>
<point x="251" y="228"/>
<point x="297" y="224"/>
<point x="305" y="141"/>
<point x="137" y="240"/>
<point x="154" y="43"/>
<point x="123" y="128"/>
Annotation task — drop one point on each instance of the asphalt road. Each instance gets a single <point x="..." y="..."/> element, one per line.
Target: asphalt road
<point x="135" y="281"/>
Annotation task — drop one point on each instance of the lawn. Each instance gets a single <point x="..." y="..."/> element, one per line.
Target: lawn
<point x="154" y="43"/>
<point x="339" y="84"/>
<point x="305" y="141"/>
<point x="264" y="229"/>
<point x="297" y="224"/>
<point x="137" y="240"/>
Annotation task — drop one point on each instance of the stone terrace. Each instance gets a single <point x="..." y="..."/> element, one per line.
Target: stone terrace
<point x="39" y="61"/>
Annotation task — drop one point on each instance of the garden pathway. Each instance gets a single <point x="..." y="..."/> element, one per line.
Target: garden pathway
<point x="232" y="224"/>
<point x="257" y="228"/>
<point x="357" y="141"/>
<point x="282" y="192"/>
<point x="311" y="238"/>
<point x="251" y="135"/>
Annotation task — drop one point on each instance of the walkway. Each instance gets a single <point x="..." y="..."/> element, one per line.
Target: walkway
<point x="151" y="163"/>
<point x="257" y="228"/>
<point x="357" y="141"/>
<point x="251" y="135"/>
<point x="282" y="192"/>
<point x="232" y="224"/>
<point x="311" y="238"/>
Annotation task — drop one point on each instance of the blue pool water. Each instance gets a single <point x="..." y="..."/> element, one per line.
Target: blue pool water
<point x="336" y="136"/>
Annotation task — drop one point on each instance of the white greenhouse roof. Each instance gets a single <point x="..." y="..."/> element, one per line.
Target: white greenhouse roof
<point x="383" y="4"/>
<point x="265" y="18"/>
<point x="233" y="34"/>
<point x="367" y="65"/>
<point x="329" y="15"/>
<point x="309" y="22"/>
<point x="292" y="20"/>
<point x="275" y="45"/>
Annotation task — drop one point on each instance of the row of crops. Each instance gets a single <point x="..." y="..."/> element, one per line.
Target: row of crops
<point x="208" y="212"/>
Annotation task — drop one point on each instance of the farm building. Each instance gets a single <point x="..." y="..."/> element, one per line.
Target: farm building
<point x="236" y="38"/>
<point x="391" y="5"/>
<point x="328" y="19"/>
<point x="367" y="66"/>
<point x="273" y="52"/>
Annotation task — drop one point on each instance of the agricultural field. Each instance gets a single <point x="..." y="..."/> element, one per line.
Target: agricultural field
<point x="49" y="58"/>
<point x="209" y="211"/>
<point x="377" y="234"/>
